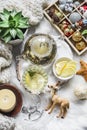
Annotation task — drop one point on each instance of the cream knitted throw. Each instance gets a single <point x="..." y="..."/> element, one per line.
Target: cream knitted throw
<point x="5" y="62"/>
<point x="7" y="123"/>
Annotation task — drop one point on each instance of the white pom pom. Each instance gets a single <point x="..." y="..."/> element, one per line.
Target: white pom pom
<point x="81" y="92"/>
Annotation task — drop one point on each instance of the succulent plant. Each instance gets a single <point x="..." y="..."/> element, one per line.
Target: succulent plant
<point x="12" y="25"/>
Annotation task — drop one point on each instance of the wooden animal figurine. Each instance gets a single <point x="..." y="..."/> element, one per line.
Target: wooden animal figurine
<point x="56" y="100"/>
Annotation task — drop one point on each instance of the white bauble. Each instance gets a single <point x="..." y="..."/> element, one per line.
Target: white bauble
<point x="77" y="3"/>
<point x="74" y="17"/>
<point x="62" y="1"/>
<point x="81" y="92"/>
<point x="62" y="6"/>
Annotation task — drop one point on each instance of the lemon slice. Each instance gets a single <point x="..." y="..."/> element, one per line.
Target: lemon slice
<point x="68" y="72"/>
<point x="71" y="64"/>
<point x="60" y="66"/>
<point x="37" y="82"/>
<point x="33" y="85"/>
<point x="27" y="79"/>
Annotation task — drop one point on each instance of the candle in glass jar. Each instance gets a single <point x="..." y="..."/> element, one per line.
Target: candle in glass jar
<point x="7" y="100"/>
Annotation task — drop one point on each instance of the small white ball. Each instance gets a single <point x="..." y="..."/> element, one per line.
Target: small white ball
<point x="81" y="92"/>
<point x="62" y="1"/>
<point x="70" y="9"/>
<point x="71" y="5"/>
<point x="66" y="9"/>
<point x="70" y="1"/>
<point x="67" y="4"/>
<point x="77" y="3"/>
<point x="62" y="6"/>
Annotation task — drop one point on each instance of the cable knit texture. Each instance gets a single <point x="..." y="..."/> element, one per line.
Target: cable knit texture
<point x="5" y="62"/>
<point x="7" y="123"/>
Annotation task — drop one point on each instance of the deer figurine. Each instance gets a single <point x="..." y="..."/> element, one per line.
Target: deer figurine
<point x="56" y="100"/>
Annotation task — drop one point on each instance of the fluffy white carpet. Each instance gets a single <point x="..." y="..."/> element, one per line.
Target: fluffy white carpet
<point x="76" y="118"/>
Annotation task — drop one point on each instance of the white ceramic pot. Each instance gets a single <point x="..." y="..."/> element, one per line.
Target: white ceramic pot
<point x="18" y="41"/>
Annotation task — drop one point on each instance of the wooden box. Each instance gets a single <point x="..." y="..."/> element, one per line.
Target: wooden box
<point x="66" y="17"/>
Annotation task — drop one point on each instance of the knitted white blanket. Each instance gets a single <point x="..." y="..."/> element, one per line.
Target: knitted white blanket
<point x="7" y="123"/>
<point x="5" y="62"/>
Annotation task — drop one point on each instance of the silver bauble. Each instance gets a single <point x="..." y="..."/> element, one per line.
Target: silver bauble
<point x="75" y="17"/>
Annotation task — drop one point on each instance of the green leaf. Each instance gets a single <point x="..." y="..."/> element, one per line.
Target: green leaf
<point x="13" y="13"/>
<point x="4" y="24"/>
<point x="20" y="34"/>
<point x="4" y="32"/>
<point x="31" y="73"/>
<point x="6" y="13"/>
<point x="16" y="24"/>
<point x="84" y="32"/>
<point x="10" y="18"/>
<point x="3" y="17"/>
<point x="23" y="25"/>
<point x="13" y="33"/>
<point x="17" y="17"/>
<point x="23" y="20"/>
<point x="7" y="38"/>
